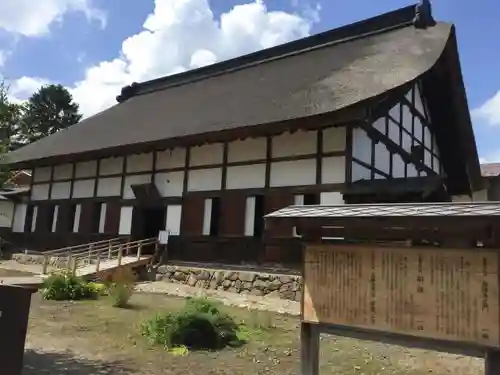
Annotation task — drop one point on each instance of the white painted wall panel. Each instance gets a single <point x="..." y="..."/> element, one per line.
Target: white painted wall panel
<point x="109" y="186"/>
<point x="83" y="188"/>
<point x="19" y="218"/>
<point x="40" y="192"/>
<point x="63" y="172"/>
<point x="134" y="180"/>
<point x="246" y="176"/>
<point x="61" y="190"/>
<point x="419" y="105"/>
<point x="205" y="179"/>
<point x="102" y="218"/>
<point x="173" y="158"/>
<point x="42" y="174"/>
<point x="333" y="170"/>
<point x="125" y="220"/>
<point x="86" y="169"/>
<point x="407" y="118"/>
<point x="207" y="216"/>
<point x="331" y="197"/>
<point x="173" y="219"/>
<point x="411" y="171"/>
<point x="361" y="145"/>
<point x="398" y="166"/>
<point x="140" y="163"/>
<point x="250" y="216"/>
<point x="206" y="154"/>
<point x="293" y="173"/>
<point x="6" y="213"/>
<point x="359" y="172"/>
<point x="294" y="144"/>
<point x="111" y="166"/>
<point x="334" y="139"/>
<point x="33" y="218"/>
<point x="54" y="218"/>
<point x="247" y="149"/>
<point x="76" y="222"/>
<point x="170" y="184"/>
<point x="382" y="158"/>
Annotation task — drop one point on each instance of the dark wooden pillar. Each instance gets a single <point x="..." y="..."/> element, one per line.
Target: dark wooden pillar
<point x="309" y="348"/>
<point x="492" y="363"/>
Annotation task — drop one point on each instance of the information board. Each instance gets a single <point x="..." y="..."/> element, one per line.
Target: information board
<point x="427" y="292"/>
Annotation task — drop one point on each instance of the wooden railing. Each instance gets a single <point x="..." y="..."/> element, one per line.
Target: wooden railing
<point x="95" y="253"/>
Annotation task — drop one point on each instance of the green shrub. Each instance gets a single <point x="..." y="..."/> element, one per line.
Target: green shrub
<point x="120" y="287"/>
<point x="64" y="286"/>
<point x="99" y="289"/>
<point x="200" y="325"/>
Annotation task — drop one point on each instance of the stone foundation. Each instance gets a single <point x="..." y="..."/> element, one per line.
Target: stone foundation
<point x="245" y="282"/>
<point x="22" y="258"/>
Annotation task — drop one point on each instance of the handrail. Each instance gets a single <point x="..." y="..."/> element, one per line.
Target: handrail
<point x="71" y="248"/>
<point x="109" y="248"/>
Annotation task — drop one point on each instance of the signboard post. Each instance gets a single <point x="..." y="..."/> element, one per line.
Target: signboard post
<point x="441" y="293"/>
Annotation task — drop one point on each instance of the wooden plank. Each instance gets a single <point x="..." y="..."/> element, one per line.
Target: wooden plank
<point x="436" y="293"/>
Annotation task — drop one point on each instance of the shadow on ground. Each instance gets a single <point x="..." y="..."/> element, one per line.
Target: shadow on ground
<point x="38" y="363"/>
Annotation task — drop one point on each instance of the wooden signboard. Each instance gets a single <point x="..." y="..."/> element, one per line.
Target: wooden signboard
<point x="426" y="292"/>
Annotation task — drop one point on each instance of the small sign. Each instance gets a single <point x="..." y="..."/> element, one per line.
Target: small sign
<point x="163" y="237"/>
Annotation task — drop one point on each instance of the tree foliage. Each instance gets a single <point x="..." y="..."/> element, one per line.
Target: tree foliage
<point x="49" y="110"/>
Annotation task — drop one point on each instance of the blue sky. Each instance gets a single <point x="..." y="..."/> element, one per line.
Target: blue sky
<point x="80" y="43"/>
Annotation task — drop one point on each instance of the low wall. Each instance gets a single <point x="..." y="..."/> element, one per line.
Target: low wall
<point x="244" y="282"/>
<point x="23" y="258"/>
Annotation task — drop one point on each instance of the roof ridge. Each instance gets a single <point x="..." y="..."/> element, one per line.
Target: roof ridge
<point x="419" y="15"/>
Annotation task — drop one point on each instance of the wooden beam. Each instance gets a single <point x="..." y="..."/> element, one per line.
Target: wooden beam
<point x="309" y="349"/>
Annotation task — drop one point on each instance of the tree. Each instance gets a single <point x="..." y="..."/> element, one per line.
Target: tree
<point x="47" y="111"/>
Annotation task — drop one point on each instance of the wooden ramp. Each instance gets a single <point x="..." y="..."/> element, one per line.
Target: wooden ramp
<point x="110" y="265"/>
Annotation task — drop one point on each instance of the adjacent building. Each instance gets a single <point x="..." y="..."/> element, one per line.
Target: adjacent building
<point x="371" y="112"/>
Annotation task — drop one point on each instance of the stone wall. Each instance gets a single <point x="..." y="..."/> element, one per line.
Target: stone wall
<point x="244" y="282"/>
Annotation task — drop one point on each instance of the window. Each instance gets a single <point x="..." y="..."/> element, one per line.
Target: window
<point x="211" y="217"/>
<point x="254" y="216"/>
<point x="304" y="200"/>
<point x="96" y="217"/>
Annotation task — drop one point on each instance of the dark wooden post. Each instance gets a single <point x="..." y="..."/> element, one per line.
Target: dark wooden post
<point x="309" y="348"/>
<point x="492" y="363"/>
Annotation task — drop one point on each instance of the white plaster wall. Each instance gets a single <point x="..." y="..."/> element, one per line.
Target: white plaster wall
<point x="76" y="222"/>
<point x="207" y="216"/>
<point x="173" y="219"/>
<point x="407" y="119"/>
<point x="173" y="158"/>
<point x="170" y="184"/>
<point x="6" y="213"/>
<point x="102" y="218"/>
<point x="86" y="169"/>
<point x="33" y="218"/>
<point x="125" y="220"/>
<point x="19" y="218"/>
<point x="250" y="216"/>
<point x="382" y="158"/>
<point x="293" y="173"/>
<point x="294" y="144"/>
<point x="54" y="218"/>
<point x="61" y="190"/>
<point x="205" y="179"/>
<point x="331" y="197"/>
<point x="42" y="174"/>
<point x="206" y="154"/>
<point x="246" y="176"/>
<point x="247" y="149"/>
<point x="333" y="170"/>
<point x="411" y="171"/>
<point x="40" y="192"/>
<point x="419" y="105"/>
<point x="134" y="180"/>
<point x="111" y="166"/>
<point x="109" y="186"/>
<point x="361" y="145"/>
<point x="334" y="139"/>
<point x="359" y="172"/>
<point x="83" y="188"/>
<point x="63" y="172"/>
<point x="140" y="162"/>
<point x="398" y="166"/>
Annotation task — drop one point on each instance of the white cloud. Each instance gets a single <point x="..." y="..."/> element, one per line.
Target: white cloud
<point x="184" y="34"/>
<point x="34" y="18"/>
<point x="22" y="88"/>
<point x="489" y="111"/>
<point x="3" y="57"/>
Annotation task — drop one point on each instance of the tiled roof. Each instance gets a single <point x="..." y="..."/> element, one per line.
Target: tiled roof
<point x="389" y="210"/>
<point x="490" y="169"/>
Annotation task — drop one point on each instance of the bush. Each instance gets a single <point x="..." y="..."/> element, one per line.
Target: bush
<point x="120" y="287"/>
<point x="200" y="325"/>
<point x="64" y="286"/>
<point x="98" y="289"/>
